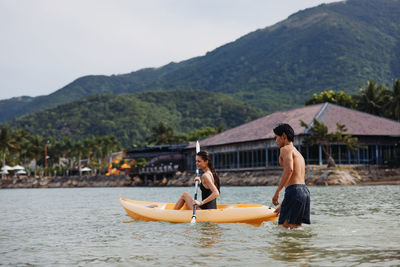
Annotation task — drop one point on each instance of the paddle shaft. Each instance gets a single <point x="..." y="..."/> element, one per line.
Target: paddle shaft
<point x="196" y="184"/>
<point x="194" y="202"/>
<point x="195" y="198"/>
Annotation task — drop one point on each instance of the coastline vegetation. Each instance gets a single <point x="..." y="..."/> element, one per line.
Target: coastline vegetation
<point x="62" y="156"/>
<point x="67" y="155"/>
<point x="319" y="134"/>
<point x="373" y="98"/>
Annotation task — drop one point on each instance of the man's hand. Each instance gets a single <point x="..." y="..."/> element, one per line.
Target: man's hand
<point x="275" y="199"/>
<point x="278" y="209"/>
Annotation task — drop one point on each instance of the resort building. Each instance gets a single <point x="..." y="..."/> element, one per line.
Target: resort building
<point x="164" y="160"/>
<point x="252" y="145"/>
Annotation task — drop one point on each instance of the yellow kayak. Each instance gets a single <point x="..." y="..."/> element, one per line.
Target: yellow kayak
<point x="229" y="213"/>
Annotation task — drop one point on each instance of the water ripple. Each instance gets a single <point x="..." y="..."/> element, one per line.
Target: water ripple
<point x="351" y="226"/>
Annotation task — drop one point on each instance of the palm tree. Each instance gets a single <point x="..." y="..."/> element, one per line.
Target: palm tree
<point x="89" y="145"/>
<point x="394" y="103"/>
<point x="105" y="147"/>
<point x="67" y="147"/>
<point x="78" y="152"/>
<point x="161" y="134"/>
<point x="23" y="141"/>
<point x="94" y="150"/>
<point x="97" y="150"/>
<point x="56" y="150"/>
<point x="7" y="144"/>
<point x="36" y="149"/>
<point x="319" y="134"/>
<point x="373" y="98"/>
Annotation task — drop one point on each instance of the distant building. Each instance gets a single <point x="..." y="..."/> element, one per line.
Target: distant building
<point x="252" y="145"/>
<point x="163" y="159"/>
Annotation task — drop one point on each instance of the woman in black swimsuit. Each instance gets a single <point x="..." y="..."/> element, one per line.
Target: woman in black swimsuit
<point x="209" y="185"/>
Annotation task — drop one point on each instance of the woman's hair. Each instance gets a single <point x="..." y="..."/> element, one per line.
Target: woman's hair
<point x="207" y="156"/>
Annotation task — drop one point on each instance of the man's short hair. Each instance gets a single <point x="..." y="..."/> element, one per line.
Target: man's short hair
<point x="285" y="128"/>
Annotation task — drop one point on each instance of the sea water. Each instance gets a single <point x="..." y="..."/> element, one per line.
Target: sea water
<point x="351" y="226"/>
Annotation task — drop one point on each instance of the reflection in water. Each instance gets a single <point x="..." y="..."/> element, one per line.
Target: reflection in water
<point x="128" y="221"/>
<point x="208" y="234"/>
<point x="291" y="245"/>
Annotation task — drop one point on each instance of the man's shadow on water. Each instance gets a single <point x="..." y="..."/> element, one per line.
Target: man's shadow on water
<point x="207" y="234"/>
<point x="291" y="245"/>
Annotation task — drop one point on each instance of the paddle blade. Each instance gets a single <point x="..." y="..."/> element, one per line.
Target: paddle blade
<point x="193" y="220"/>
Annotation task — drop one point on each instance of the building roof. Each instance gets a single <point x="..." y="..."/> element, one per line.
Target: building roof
<point x="356" y="122"/>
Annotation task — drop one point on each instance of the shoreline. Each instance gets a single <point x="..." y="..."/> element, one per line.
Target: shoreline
<point x="397" y="182"/>
<point x="315" y="176"/>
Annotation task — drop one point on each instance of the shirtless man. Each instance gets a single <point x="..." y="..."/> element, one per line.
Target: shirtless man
<point x="295" y="208"/>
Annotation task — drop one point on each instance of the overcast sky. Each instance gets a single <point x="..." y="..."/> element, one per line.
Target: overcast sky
<point x="46" y="44"/>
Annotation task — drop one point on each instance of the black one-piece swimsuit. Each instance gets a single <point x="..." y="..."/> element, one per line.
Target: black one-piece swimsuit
<point x="204" y="194"/>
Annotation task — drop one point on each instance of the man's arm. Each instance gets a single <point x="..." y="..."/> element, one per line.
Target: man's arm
<point x="287" y="159"/>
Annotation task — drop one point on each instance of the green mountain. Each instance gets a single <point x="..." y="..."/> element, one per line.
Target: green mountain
<point x="130" y="118"/>
<point x="338" y="46"/>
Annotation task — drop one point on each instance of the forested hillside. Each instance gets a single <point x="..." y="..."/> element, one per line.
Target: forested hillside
<point x="130" y="118"/>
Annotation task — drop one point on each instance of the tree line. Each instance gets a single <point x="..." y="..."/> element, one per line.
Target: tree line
<point x="373" y="98"/>
<point x="65" y="156"/>
<point x="50" y="155"/>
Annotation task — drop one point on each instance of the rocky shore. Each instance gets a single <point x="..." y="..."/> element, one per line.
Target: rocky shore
<point x="315" y="175"/>
<point x="67" y="182"/>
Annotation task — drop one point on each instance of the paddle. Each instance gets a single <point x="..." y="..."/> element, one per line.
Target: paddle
<point x="196" y="184"/>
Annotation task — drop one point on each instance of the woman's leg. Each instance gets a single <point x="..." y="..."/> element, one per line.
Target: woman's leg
<point x="185" y="201"/>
